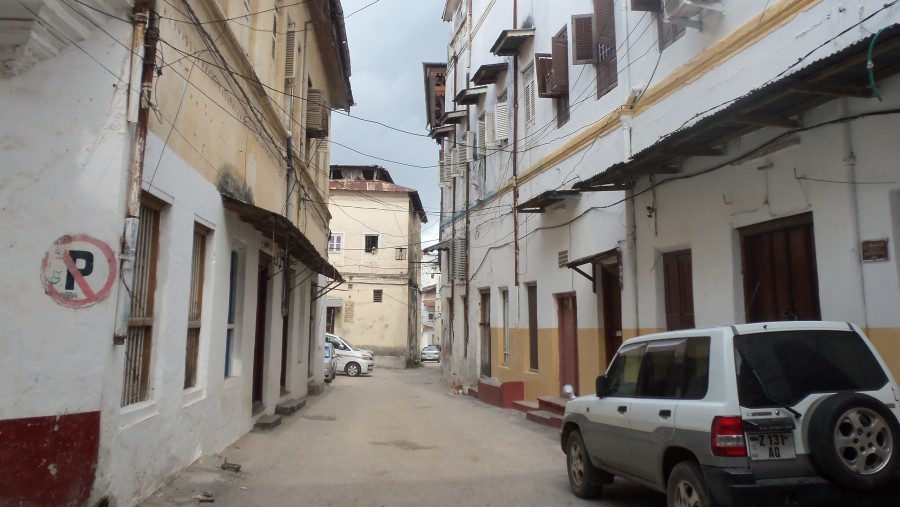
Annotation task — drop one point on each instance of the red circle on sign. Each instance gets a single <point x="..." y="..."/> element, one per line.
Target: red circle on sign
<point x="91" y="296"/>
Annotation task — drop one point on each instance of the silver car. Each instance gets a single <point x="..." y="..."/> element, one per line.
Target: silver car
<point x="330" y="363"/>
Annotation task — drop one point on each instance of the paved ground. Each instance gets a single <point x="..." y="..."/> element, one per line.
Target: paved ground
<point x="396" y="438"/>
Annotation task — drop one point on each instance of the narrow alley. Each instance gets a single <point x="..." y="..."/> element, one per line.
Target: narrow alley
<point x="394" y="438"/>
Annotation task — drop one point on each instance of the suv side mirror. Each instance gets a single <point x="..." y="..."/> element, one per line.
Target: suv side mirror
<point x="602" y="385"/>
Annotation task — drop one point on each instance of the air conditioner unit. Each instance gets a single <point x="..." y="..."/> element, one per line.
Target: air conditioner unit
<point x="686" y="9"/>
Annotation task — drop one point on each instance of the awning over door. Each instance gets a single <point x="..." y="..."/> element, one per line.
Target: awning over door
<point x="284" y="233"/>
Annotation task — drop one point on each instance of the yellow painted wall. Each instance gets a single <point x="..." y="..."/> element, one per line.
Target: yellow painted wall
<point x="887" y="341"/>
<point x="545" y="381"/>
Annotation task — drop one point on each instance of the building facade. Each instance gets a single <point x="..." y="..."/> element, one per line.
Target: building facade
<point x="759" y="188"/>
<point x="374" y="242"/>
<point x="168" y="297"/>
<point x="512" y="309"/>
<point x="612" y="168"/>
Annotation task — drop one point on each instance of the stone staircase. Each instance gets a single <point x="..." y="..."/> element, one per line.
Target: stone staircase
<point x="284" y="409"/>
<point x="548" y="410"/>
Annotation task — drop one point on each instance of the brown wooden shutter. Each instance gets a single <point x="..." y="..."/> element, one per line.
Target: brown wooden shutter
<point x="542" y="67"/>
<point x="605" y="33"/>
<point x="559" y="79"/>
<point x="646" y="5"/>
<point x="582" y="39"/>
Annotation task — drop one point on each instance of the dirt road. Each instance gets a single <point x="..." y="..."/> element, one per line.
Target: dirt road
<point x="396" y="438"/>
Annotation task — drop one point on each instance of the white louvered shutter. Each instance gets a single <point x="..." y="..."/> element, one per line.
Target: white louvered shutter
<point x="446" y="167"/>
<point x="460" y="255"/>
<point x="489" y="136"/>
<point x="501" y="121"/>
<point x="482" y="127"/>
<point x="290" y="51"/>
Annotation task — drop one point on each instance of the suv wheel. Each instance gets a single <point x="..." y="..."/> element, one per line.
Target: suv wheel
<point x="686" y="487"/>
<point x="852" y="438"/>
<point x="586" y="480"/>
<point x="352" y="369"/>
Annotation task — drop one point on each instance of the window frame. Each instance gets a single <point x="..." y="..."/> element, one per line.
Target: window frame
<point x="373" y="249"/>
<point x="195" y="306"/>
<point x="338" y="238"/>
<point x="137" y="370"/>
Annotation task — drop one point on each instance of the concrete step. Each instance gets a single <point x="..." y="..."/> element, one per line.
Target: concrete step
<point x="553" y="404"/>
<point x="290" y="407"/>
<point x="524" y="406"/>
<point x="545" y="418"/>
<point x="267" y="422"/>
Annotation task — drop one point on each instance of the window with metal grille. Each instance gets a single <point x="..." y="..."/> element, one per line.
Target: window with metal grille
<point x="139" y="342"/>
<point x="195" y="303"/>
<point x="335" y="243"/>
<point x="400" y="254"/>
<point x="232" y="327"/>
<point x="371" y="243"/>
<point x="377" y="295"/>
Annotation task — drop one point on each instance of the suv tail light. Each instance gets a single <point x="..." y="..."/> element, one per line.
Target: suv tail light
<point x="728" y="437"/>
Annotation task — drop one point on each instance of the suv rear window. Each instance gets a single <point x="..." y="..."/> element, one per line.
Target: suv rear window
<point x="794" y="364"/>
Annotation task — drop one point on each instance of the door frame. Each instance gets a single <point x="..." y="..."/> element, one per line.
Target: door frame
<point x="574" y="338"/>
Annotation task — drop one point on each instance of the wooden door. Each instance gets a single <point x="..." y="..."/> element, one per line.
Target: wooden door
<point x="259" y="342"/>
<point x="679" y="290"/>
<point x="611" y="292"/>
<point x="485" y="334"/>
<point x="568" y="341"/>
<point x="779" y="267"/>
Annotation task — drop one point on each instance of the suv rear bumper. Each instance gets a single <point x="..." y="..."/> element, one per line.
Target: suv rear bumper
<point x="737" y="487"/>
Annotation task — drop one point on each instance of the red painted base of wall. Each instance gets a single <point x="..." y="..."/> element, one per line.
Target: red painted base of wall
<point x="501" y="395"/>
<point x="49" y="461"/>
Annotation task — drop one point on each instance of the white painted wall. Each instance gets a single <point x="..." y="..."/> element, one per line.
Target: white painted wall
<point x="65" y="145"/>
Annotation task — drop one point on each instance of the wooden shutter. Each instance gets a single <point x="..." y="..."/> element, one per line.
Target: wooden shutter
<point x="543" y="69"/>
<point x="316" y="114"/>
<point x="559" y="82"/>
<point x="501" y="121"/>
<point x="583" y="39"/>
<point x="646" y="5"/>
<point x="605" y="33"/>
<point x="290" y="52"/>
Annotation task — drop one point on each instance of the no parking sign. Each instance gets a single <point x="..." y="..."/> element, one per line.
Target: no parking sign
<point x="78" y="270"/>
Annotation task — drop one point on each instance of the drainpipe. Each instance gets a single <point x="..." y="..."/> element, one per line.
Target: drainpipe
<point x="146" y="32"/>
<point x="515" y="157"/>
<point x="303" y="90"/>
<point x="850" y="166"/>
<point x="288" y="209"/>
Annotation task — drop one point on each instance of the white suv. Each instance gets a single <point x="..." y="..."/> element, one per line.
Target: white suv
<point x="767" y="414"/>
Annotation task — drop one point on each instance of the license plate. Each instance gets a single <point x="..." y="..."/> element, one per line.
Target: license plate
<point x="765" y="446"/>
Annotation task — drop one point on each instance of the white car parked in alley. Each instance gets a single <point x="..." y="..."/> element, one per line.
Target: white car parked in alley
<point x="351" y="360"/>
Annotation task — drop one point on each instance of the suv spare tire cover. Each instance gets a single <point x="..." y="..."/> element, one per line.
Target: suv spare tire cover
<point x="853" y="439"/>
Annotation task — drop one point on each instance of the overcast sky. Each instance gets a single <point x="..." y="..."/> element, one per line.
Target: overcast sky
<point x="388" y="41"/>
